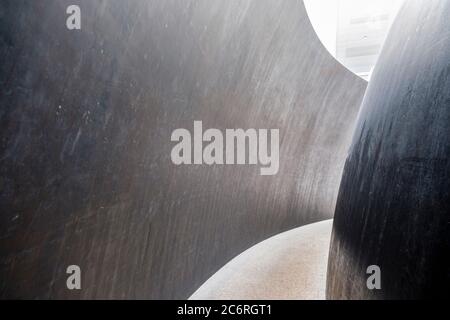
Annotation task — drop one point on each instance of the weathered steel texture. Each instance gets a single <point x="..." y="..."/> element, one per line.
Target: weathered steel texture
<point x="393" y="208"/>
<point x="86" y="119"/>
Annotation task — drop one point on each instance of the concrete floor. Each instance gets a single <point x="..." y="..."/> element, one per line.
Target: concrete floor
<point x="291" y="265"/>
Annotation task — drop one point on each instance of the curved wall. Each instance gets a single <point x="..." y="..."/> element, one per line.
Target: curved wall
<point x="393" y="208"/>
<point x="86" y="120"/>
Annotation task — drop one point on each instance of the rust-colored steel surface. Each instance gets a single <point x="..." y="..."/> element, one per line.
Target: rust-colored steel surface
<point x="86" y="120"/>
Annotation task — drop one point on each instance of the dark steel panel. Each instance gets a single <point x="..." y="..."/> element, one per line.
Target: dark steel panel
<point x="86" y="119"/>
<point x="393" y="208"/>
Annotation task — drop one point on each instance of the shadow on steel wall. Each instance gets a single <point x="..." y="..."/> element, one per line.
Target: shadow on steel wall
<point x="86" y="119"/>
